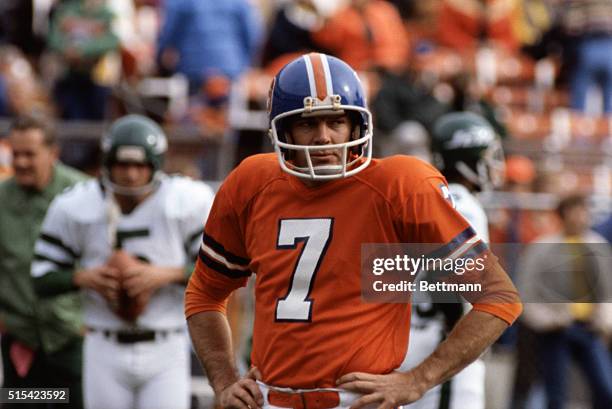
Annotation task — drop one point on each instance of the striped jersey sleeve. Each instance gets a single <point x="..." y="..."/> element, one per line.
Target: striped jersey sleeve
<point x="222" y="265"/>
<point x="438" y="223"/>
<point x="56" y="248"/>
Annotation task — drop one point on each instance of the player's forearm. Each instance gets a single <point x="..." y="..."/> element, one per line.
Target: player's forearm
<point x="174" y="274"/>
<point x="54" y="283"/>
<point x="211" y="337"/>
<point x="466" y="342"/>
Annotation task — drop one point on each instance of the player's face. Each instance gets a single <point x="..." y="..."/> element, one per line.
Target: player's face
<point x="33" y="159"/>
<point x="131" y="174"/>
<point x="320" y="130"/>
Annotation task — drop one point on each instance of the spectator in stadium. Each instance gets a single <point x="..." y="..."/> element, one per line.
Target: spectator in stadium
<point x="569" y="310"/>
<point x="41" y="338"/>
<point x="81" y="33"/>
<point x="465" y="25"/>
<point x="291" y="29"/>
<point x="533" y="21"/>
<point x="367" y="34"/>
<point x="208" y="41"/>
<point x="588" y="25"/>
<point x="21" y="23"/>
<point x="401" y="98"/>
<point x="24" y="90"/>
<point x="212" y="43"/>
<point x="136" y="24"/>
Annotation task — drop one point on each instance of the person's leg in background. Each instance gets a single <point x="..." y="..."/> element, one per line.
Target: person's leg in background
<point x="593" y="359"/>
<point x="63" y="369"/>
<point x="67" y="95"/>
<point x="59" y="370"/>
<point x="555" y="355"/>
<point x="94" y="98"/>
<point x="604" y="53"/>
<point x="582" y="76"/>
<point x="526" y="374"/>
<point x="593" y="67"/>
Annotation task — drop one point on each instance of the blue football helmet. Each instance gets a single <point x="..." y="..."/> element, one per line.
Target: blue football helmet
<point x="319" y="84"/>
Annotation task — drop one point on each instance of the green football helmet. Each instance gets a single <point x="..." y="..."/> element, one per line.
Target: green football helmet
<point x="133" y="138"/>
<point x="465" y="144"/>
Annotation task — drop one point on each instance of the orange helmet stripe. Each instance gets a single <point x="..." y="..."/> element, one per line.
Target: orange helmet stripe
<point x="319" y="75"/>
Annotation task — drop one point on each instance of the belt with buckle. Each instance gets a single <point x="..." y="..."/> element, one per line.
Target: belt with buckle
<point x="304" y="400"/>
<point x="132" y="336"/>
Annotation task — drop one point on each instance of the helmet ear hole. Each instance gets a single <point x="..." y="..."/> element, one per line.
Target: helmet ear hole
<point x="358" y="131"/>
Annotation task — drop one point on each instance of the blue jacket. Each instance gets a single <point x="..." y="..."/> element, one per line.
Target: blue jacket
<point x="605" y="229"/>
<point x="211" y="36"/>
<point x="4" y="102"/>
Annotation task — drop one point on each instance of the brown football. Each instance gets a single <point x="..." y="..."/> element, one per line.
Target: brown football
<point x="128" y="308"/>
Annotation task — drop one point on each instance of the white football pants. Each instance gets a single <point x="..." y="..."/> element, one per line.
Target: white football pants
<point x="143" y="375"/>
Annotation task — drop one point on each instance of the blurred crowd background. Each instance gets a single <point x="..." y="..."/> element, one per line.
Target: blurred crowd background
<point x="539" y="70"/>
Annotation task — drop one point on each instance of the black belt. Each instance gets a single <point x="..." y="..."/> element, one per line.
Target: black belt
<point x="132" y="336"/>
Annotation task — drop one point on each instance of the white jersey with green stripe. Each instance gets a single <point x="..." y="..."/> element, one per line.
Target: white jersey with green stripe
<point x="83" y="226"/>
<point x="466" y="389"/>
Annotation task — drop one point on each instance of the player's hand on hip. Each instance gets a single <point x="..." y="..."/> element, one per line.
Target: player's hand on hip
<point x="103" y="279"/>
<point x="387" y="391"/>
<point x="243" y="394"/>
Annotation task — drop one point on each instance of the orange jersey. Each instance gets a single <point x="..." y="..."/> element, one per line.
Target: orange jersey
<point x="311" y="325"/>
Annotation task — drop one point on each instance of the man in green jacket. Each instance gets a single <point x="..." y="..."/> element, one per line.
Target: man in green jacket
<point x="41" y="339"/>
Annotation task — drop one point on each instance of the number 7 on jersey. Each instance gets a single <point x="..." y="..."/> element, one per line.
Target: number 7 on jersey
<point x="316" y="235"/>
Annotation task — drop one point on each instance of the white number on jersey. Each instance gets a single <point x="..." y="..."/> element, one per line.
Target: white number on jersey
<point x="316" y="234"/>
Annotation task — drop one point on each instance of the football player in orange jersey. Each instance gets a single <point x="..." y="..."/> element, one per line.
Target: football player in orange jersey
<point x="299" y="228"/>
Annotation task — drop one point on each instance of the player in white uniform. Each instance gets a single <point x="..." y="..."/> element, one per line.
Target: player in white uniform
<point x="140" y="361"/>
<point x="469" y="154"/>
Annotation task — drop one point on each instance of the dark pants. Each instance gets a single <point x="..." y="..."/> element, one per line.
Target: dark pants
<point x="61" y="369"/>
<point x="526" y="375"/>
<point x="556" y="351"/>
<point x="80" y="98"/>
